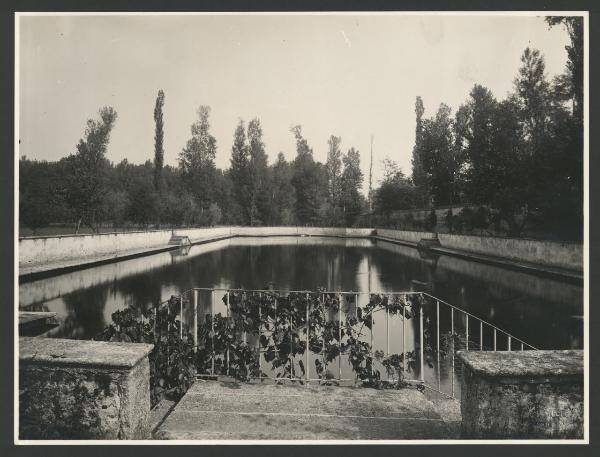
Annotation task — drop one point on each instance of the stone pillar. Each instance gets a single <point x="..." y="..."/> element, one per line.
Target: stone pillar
<point x="72" y="389"/>
<point x="522" y="394"/>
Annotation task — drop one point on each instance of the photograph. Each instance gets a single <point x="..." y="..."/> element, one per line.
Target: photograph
<point x="316" y="227"/>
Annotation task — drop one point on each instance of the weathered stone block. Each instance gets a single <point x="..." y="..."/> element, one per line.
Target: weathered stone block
<point x="70" y="389"/>
<point x="522" y="395"/>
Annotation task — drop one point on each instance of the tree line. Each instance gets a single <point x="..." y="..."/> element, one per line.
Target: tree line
<point x="519" y="160"/>
<point x="88" y="190"/>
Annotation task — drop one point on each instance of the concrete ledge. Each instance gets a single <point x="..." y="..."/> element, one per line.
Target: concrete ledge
<point x="526" y="364"/>
<point x="57" y="351"/>
<point x="45" y="256"/>
<point x="71" y="389"/>
<point x="522" y="394"/>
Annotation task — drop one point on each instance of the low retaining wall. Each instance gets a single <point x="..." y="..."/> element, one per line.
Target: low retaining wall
<point x="549" y="253"/>
<point x="35" y="251"/>
<point x="404" y="235"/>
<point x="70" y="389"/>
<point x="201" y="234"/>
<point x="522" y="395"/>
<point x="42" y="251"/>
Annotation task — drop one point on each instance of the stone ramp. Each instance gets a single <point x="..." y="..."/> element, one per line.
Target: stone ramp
<point x="216" y="410"/>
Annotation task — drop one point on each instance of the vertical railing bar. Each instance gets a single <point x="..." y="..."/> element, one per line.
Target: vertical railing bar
<point x="404" y="363"/>
<point x="437" y="306"/>
<point x="307" y="367"/>
<point x="509" y="343"/>
<point x="291" y="346"/>
<point x="340" y="336"/>
<point x="212" y="336"/>
<point x="168" y="333"/>
<point x="228" y="359"/>
<point x="387" y="327"/>
<point x="467" y="332"/>
<point x="259" y="334"/>
<point x="494" y="338"/>
<point x="195" y="320"/>
<point x="155" y="316"/>
<point x="323" y="336"/>
<point x="371" y="338"/>
<point x="181" y="317"/>
<point x="522" y="346"/>
<point x="452" y="334"/>
<point x="421" y="344"/>
<point x="481" y="335"/>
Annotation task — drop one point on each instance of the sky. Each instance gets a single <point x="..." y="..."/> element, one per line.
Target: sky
<point x="349" y="75"/>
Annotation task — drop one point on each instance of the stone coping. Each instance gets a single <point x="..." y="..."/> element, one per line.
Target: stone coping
<point x="55" y="351"/>
<point x="520" y="364"/>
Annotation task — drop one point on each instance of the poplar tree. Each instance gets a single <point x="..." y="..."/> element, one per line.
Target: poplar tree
<point x="334" y="174"/>
<point x="240" y="172"/>
<point x="257" y="173"/>
<point x="158" y="141"/>
<point x="305" y="180"/>
<point x="419" y="177"/>
<point x="197" y="160"/>
<point x="352" y="180"/>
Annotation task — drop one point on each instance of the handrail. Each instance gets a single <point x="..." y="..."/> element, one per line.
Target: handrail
<point x="225" y="289"/>
<point x="454" y="331"/>
<point x="479" y="319"/>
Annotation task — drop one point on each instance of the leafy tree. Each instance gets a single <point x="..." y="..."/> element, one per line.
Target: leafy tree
<point x="283" y="192"/>
<point x="305" y="181"/>
<point x="395" y="192"/>
<point x="87" y="169"/>
<point x="197" y="160"/>
<point x="258" y="196"/>
<point x="159" y="152"/>
<point x="143" y="203"/>
<point x="352" y="180"/>
<point x="568" y="132"/>
<point x="334" y="175"/>
<point x="533" y="92"/>
<point x="215" y="214"/>
<point x="41" y="197"/>
<point x="475" y="126"/>
<point x="240" y="173"/>
<point x="115" y="207"/>
<point x="419" y="177"/>
<point x="440" y="161"/>
<point x="571" y="82"/>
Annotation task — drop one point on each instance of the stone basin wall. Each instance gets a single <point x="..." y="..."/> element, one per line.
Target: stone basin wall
<point x="522" y="395"/>
<point x="71" y="389"/>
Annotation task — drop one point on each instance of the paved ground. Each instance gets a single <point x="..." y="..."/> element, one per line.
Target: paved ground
<point x="231" y="411"/>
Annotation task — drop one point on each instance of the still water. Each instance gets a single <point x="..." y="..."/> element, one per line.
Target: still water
<point x="544" y="312"/>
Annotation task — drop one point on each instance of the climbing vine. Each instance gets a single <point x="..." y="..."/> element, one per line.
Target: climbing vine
<point x="266" y="334"/>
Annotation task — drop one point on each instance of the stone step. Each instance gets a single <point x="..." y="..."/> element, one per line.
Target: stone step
<point x="237" y="411"/>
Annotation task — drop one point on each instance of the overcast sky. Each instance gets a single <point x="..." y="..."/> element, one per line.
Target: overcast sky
<point x="351" y="76"/>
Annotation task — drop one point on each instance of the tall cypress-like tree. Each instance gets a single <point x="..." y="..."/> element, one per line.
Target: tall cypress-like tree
<point x="283" y="192"/>
<point x="440" y="161"/>
<point x="159" y="152"/>
<point x="257" y="173"/>
<point x="419" y="176"/>
<point x="334" y="174"/>
<point x="240" y="172"/>
<point x="352" y="180"/>
<point x="305" y="180"/>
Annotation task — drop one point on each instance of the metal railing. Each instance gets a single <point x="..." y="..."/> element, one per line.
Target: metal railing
<point x="461" y="331"/>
